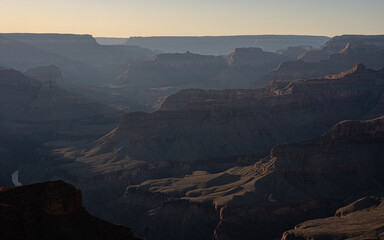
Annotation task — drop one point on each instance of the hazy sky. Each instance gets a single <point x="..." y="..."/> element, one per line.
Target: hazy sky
<point x="124" y="18"/>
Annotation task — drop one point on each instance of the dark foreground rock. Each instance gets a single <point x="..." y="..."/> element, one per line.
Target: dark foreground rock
<point x="52" y="210"/>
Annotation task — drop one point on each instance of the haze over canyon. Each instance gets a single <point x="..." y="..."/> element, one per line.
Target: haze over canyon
<point x="178" y="138"/>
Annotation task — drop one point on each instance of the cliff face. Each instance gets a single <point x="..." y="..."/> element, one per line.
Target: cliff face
<point x="338" y="43"/>
<point x="297" y="181"/>
<point x="352" y="53"/>
<point x="51" y="210"/>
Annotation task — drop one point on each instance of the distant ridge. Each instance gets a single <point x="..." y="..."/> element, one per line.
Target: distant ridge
<point x="218" y="45"/>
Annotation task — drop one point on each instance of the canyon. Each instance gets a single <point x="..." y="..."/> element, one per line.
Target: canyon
<point x="284" y="141"/>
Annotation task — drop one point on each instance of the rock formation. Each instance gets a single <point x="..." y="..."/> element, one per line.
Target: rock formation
<point x="147" y="82"/>
<point x="199" y="125"/>
<point x="363" y="220"/>
<point x="52" y="210"/>
<point x="354" y="52"/>
<point x="210" y="130"/>
<point x="297" y="181"/>
<point x="338" y="43"/>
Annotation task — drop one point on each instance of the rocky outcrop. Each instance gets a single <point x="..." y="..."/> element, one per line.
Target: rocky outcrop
<point x="297" y="181"/>
<point x="51" y="210"/>
<point x="354" y="52"/>
<point x="363" y="220"/>
<point x="338" y="43"/>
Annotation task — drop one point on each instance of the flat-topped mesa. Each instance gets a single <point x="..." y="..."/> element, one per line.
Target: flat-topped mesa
<point x="50" y="210"/>
<point x="254" y="57"/>
<point x="52" y="38"/>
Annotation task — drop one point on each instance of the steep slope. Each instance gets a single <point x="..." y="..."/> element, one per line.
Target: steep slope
<point x="297" y="181"/>
<point x="25" y="98"/>
<point x="354" y="52"/>
<point x="52" y="210"/>
<point x="337" y="43"/>
<point x="364" y="219"/>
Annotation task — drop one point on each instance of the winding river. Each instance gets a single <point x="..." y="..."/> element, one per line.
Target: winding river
<point x="15" y="178"/>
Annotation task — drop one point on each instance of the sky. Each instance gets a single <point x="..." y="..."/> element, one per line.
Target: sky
<point x="125" y="18"/>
